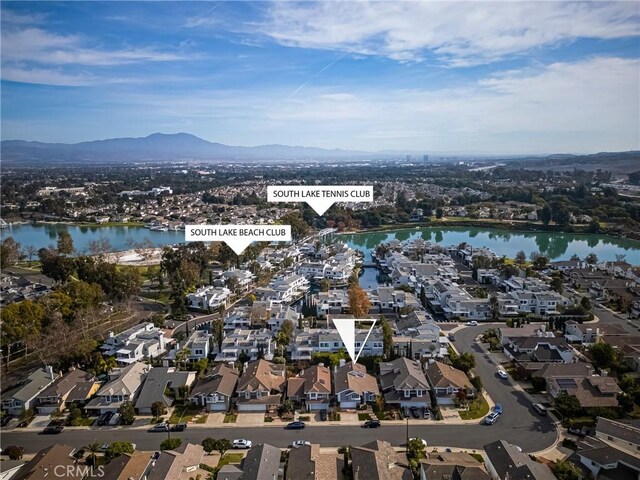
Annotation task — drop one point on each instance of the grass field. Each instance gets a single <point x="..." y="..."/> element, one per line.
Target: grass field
<point x="477" y="409"/>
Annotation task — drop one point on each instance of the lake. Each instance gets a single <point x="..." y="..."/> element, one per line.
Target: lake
<point x="556" y="246"/>
<point x="553" y="245"/>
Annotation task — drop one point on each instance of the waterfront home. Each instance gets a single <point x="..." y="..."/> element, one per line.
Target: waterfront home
<point x="353" y="386"/>
<point x="260" y="386"/>
<point x="404" y="384"/>
<point x="123" y="385"/>
<point x="24" y="396"/>
<point x="311" y="387"/>
<point x="214" y="391"/>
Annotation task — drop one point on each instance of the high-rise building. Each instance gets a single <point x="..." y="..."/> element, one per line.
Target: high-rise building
<point x="425" y="158"/>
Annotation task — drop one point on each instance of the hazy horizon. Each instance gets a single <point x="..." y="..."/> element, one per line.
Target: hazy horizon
<point x="484" y="78"/>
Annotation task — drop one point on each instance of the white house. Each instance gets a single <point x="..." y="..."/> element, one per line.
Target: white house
<point x="136" y="343"/>
<point x="208" y="298"/>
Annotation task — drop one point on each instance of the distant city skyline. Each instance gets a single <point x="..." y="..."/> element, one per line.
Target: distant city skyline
<point x="483" y="77"/>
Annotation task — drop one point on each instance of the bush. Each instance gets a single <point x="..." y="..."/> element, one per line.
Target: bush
<point x="13" y="452"/>
<point x="538" y="383"/>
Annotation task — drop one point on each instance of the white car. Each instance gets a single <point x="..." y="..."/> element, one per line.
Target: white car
<point x="472" y="323"/>
<point x="300" y="443"/>
<point x="241" y="443"/>
<point x="491" y="418"/>
<point x="502" y="373"/>
<point x="422" y="440"/>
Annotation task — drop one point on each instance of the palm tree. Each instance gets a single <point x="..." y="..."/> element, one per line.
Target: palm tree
<point x="94" y="448"/>
<point x="182" y="356"/>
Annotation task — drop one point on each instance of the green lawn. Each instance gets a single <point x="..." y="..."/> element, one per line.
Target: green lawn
<point x="228" y="458"/>
<point x="477" y="409"/>
<point x="84" y="422"/>
<point x="162" y="296"/>
<point x="230" y="418"/>
<point x="184" y="414"/>
<point x="363" y="417"/>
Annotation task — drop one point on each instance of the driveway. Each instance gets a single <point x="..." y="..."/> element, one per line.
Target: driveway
<point x="250" y="418"/>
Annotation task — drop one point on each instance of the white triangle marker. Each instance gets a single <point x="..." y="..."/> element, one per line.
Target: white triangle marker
<point x="346" y="328"/>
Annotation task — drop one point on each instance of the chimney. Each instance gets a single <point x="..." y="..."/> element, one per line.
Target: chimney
<point x="342" y="362"/>
<point x="49" y="370"/>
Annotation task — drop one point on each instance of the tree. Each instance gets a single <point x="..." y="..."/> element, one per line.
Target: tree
<point x="591" y="259"/>
<point x="544" y="214"/>
<point x="75" y="415"/>
<point x="541" y="262"/>
<point x="93" y="448"/>
<point x="567" y="405"/>
<point x="157" y="319"/>
<point x="127" y="413"/>
<point x="477" y="383"/>
<point x="209" y="445"/>
<point x="556" y="284"/>
<point x="387" y="337"/>
<point x="439" y="212"/>
<point x="119" y="448"/>
<point x="222" y="445"/>
<point x="325" y="285"/>
<point x="170" y="443"/>
<point x="538" y="383"/>
<point x="359" y="304"/>
<point x="521" y="257"/>
<point x="299" y="227"/>
<point x="585" y="303"/>
<point x="603" y="354"/>
<point x="9" y="252"/>
<point x="217" y="332"/>
<point x="158" y="408"/>
<point x="415" y="449"/>
<point x="464" y="362"/>
<point x="65" y="243"/>
<point x="564" y="470"/>
<point x="182" y="357"/>
<point x="13" y="452"/>
<point x="30" y="251"/>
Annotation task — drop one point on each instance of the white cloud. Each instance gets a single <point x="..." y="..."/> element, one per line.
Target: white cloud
<point x="457" y="33"/>
<point x="45" y="77"/>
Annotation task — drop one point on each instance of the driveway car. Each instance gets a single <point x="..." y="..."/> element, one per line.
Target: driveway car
<point x="241" y="443"/>
<point x="300" y="443"/>
<point x="323" y="415"/>
<point x="372" y="424"/>
<point x="415" y="412"/>
<point x="491" y="418"/>
<point x="295" y="426"/>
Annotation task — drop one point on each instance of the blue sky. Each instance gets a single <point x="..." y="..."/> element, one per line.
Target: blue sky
<point x="484" y="77"/>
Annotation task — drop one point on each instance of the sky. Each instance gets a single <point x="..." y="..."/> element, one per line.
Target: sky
<point x="478" y="77"/>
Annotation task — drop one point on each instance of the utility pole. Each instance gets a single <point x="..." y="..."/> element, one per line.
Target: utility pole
<point x="407" y="434"/>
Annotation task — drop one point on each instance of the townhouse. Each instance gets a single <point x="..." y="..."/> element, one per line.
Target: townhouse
<point x="403" y="383"/>
<point x="284" y="289"/>
<point x="215" y="391"/>
<point x="260" y="386"/>
<point x="143" y="341"/>
<point x="311" y="387"/>
<point x="208" y="299"/>
<point x="252" y="343"/>
<point x="353" y="386"/>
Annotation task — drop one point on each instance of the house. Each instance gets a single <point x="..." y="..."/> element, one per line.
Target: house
<point x="239" y="317"/>
<point x="23" y="397"/>
<point x="159" y="382"/>
<point x="181" y="463"/>
<point x="312" y="386"/>
<point x="75" y="386"/>
<point x="208" y="299"/>
<point x="575" y="332"/>
<point x="602" y="459"/>
<point x="137" y="343"/>
<point x="260" y="386"/>
<point x="126" y="466"/>
<point x="353" y="386"/>
<point x="123" y="385"/>
<point x="622" y="434"/>
<point x="283" y="290"/>
<point x="197" y="347"/>
<point x="378" y="460"/>
<point x="452" y="465"/>
<point x="505" y="461"/>
<point x="333" y="301"/>
<point x="251" y="343"/>
<point x="46" y="461"/>
<point x="279" y="314"/>
<point x="447" y="381"/>
<point x="261" y="463"/>
<point x="538" y="350"/>
<point x="307" y="463"/>
<point x="214" y="392"/>
<point x="242" y="278"/>
<point x="579" y="380"/>
<point x="403" y="383"/>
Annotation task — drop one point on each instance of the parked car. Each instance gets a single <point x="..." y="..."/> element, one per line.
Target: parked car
<point x="155" y="456"/>
<point x="472" y="323"/>
<point x="115" y="419"/>
<point x="105" y="419"/>
<point x="427" y="413"/>
<point x="5" y="420"/>
<point x="104" y="447"/>
<point x="451" y="337"/>
<point x="502" y="374"/>
<point x="491" y="418"/>
<point x="538" y="407"/>
<point x="179" y="427"/>
<point x="53" y="430"/>
<point x="295" y="426"/>
<point x="498" y="408"/>
<point x="372" y="424"/>
<point x="415" y="412"/>
<point x="323" y="415"/>
<point x="160" y="427"/>
<point x="300" y="443"/>
<point x="241" y="443"/>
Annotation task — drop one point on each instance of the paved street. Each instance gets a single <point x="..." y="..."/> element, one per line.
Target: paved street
<point x="609" y="317"/>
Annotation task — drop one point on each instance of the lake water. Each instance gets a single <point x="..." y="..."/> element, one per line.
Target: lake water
<point x="556" y="246"/>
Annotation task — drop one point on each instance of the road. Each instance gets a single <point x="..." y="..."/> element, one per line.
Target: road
<point x="518" y="414"/>
<point x="608" y="317"/>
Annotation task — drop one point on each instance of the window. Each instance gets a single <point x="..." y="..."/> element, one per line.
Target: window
<point x="419" y="392"/>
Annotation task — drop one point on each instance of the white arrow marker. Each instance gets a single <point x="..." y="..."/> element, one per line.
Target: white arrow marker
<point x="347" y="330"/>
